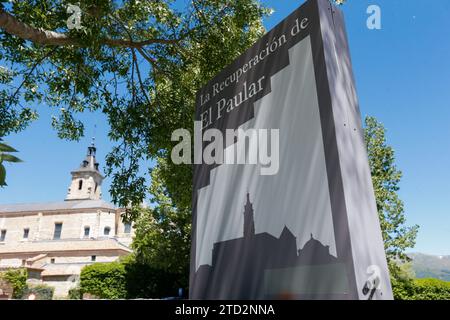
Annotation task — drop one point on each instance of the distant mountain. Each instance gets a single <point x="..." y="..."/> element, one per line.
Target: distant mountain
<point x="431" y="266"/>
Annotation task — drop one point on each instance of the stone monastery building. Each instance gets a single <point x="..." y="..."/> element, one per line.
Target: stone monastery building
<point x="55" y="240"/>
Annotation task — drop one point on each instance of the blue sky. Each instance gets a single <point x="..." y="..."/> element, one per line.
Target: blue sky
<point x="403" y="79"/>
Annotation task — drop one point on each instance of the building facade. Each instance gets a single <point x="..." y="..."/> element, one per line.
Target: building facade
<point x="55" y="240"/>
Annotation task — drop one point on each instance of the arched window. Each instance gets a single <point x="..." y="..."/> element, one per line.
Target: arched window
<point x="80" y="184"/>
<point x="86" y="231"/>
<point x="106" y="231"/>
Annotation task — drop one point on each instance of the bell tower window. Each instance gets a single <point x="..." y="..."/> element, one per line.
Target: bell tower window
<point x="80" y="184"/>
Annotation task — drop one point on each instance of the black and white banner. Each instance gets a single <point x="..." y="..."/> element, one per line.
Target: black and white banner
<point x="296" y="219"/>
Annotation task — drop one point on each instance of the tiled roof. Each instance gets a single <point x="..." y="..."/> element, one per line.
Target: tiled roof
<point x="54" y="206"/>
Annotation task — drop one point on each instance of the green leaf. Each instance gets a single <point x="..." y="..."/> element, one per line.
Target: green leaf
<point x="2" y="175"/>
<point x="10" y="158"/>
<point x="6" y="148"/>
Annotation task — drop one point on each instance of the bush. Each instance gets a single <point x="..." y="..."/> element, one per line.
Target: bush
<point x="104" y="280"/>
<point x="431" y="289"/>
<point x="126" y="279"/>
<point x="421" y="289"/>
<point x="402" y="289"/>
<point x="18" y="280"/>
<point x="41" y="291"/>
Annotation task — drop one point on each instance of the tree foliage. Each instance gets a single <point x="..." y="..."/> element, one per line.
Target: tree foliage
<point x="385" y="179"/>
<point x="163" y="233"/>
<point x="139" y="62"/>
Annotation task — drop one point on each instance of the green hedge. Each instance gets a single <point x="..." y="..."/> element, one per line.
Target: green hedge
<point x="126" y="279"/>
<point x="421" y="289"/>
<point x="18" y="280"/>
<point x="104" y="280"/>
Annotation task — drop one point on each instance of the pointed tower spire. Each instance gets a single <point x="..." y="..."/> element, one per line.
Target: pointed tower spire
<point x="86" y="180"/>
<point x="249" y="220"/>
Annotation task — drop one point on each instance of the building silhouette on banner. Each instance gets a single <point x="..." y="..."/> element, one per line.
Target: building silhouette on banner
<point x="246" y="264"/>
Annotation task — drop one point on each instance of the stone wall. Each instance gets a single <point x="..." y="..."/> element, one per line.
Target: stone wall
<point x="41" y="226"/>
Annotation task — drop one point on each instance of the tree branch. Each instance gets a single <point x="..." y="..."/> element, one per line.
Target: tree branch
<point x="11" y="25"/>
<point x="138" y="44"/>
<point x="138" y="72"/>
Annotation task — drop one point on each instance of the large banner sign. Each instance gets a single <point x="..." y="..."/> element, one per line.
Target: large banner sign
<point x="283" y="204"/>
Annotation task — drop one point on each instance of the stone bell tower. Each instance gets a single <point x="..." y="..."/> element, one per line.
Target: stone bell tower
<point x="86" y="180"/>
